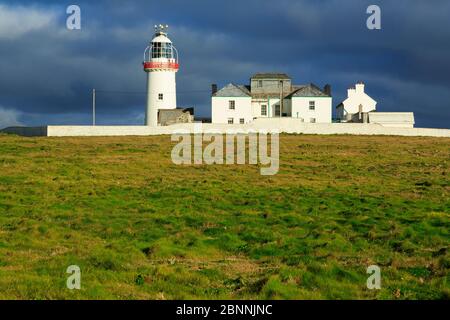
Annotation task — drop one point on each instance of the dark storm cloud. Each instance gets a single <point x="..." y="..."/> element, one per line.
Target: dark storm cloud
<point x="47" y="72"/>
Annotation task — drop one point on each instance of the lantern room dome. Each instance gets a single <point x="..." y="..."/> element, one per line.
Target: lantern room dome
<point x="161" y="38"/>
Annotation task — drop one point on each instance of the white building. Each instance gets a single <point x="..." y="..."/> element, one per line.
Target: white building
<point x="271" y="95"/>
<point x="361" y="108"/>
<point x="358" y="101"/>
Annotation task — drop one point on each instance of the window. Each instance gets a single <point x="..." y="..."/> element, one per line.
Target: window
<point x="264" y="110"/>
<point x="230" y="121"/>
<point x="160" y="96"/>
<point x="241" y="121"/>
<point x="260" y="84"/>
<point x="277" y="110"/>
<point x="231" y="104"/>
<point x="162" y="50"/>
<point x="312" y="105"/>
<point x="312" y="120"/>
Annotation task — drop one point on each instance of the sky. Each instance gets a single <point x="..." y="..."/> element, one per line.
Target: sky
<point x="47" y="72"/>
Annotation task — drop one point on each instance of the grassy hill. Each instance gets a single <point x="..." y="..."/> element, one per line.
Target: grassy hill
<point x="141" y="227"/>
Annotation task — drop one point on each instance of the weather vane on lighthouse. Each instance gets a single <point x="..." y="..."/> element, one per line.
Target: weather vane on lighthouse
<point x="161" y="65"/>
<point x="161" y="29"/>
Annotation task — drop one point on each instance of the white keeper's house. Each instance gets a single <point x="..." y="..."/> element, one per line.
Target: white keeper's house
<point x="357" y="101"/>
<point x="359" y="107"/>
<point x="271" y="95"/>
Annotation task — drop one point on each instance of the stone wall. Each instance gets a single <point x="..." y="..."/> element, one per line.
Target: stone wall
<point x="282" y="125"/>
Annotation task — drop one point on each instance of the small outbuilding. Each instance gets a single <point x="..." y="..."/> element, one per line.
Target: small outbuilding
<point x="358" y="101"/>
<point x="172" y="116"/>
<point x="359" y="107"/>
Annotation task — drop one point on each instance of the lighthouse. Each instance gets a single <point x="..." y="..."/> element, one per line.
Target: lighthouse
<point x="161" y="65"/>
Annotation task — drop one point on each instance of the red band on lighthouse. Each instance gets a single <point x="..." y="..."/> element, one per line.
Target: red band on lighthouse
<point x="149" y="65"/>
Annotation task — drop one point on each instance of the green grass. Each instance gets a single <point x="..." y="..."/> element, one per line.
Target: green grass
<point x="141" y="227"/>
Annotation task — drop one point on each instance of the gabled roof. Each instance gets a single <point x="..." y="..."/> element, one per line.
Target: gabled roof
<point x="232" y="90"/>
<point x="309" y="90"/>
<point x="270" y="75"/>
<point x="246" y="89"/>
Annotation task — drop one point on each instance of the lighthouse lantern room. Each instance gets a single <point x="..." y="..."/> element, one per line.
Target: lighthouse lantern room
<point x="161" y="65"/>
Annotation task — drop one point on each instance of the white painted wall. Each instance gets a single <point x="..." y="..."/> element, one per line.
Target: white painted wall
<point x="250" y="109"/>
<point x="284" y="125"/>
<point x="322" y="112"/>
<point x="393" y="119"/>
<point x="257" y="106"/>
<point x="355" y="97"/>
<point x="272" y="105"/>
<point x="160" y="81"/>
<point x="220" y="112"/>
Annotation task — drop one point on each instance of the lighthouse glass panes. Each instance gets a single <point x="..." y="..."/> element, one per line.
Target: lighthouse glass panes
<point x="162" y="50"/>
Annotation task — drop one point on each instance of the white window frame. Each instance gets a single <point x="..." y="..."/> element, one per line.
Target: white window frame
<point x="312" y="104"/>
<point x="231" y="105"/>
<point x="230" y="120"/>
<point x="241" y="120"/>
<point x="265" y="110"/>
<point x="312" y="120"/>
<point x="160" y="96"/>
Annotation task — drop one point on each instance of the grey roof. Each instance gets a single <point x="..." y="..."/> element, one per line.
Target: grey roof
<point x="246" y="89"/>
<point x="232" y="90"/>
<point x="309" y="90"/>
<point x="270" y="75"/>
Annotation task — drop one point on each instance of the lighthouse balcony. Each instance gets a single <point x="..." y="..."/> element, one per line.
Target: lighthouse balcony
<point x="152" y="65"/>
<point x="161" y="56"/>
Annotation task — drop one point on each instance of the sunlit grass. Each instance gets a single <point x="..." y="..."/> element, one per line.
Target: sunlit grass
<point x="141" y="227"/>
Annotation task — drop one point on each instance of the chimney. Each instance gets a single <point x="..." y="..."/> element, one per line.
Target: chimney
<point x="327" y="90"/>
<point x="213" y="89"/>
<point x="351" y="91"/>
<point x="359" y="87"/>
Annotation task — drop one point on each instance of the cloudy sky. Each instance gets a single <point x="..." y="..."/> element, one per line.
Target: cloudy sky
<point x="47" y="72"/>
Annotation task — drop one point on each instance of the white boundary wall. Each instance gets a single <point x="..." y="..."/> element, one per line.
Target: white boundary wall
<point x="283" y="125"/>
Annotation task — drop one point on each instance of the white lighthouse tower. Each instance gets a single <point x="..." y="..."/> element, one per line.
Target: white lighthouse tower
<point x="161" y="65"/>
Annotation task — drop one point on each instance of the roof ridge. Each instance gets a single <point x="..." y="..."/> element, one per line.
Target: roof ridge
<point x="239" y="87"/>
